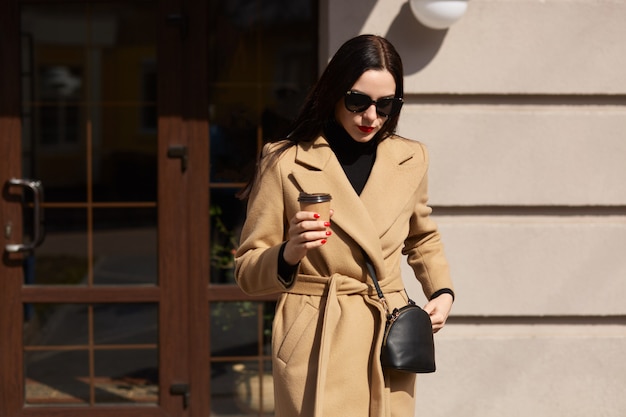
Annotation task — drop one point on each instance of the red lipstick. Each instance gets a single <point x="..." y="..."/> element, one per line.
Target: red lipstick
<point x="366" y="129"/>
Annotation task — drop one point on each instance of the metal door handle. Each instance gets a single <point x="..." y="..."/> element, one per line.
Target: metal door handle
<point x="38" y="236"/>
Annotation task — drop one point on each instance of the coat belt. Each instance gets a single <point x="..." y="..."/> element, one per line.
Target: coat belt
<point x="331" y="287"/>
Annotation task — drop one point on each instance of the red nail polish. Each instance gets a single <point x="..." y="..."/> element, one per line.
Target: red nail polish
<point x="317" y="216"/>
<point x="328" y="233"/>
<point x="323" y="241"/>
<point x="326" y="224"/>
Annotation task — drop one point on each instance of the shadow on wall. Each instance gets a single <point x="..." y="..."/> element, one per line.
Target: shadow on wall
<point x="417" y="44"/>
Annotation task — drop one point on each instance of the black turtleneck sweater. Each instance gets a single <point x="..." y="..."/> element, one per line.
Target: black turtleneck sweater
<point x="356" y="158"/>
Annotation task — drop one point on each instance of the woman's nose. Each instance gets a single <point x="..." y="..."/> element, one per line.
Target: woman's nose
<point x="370" y="113"/>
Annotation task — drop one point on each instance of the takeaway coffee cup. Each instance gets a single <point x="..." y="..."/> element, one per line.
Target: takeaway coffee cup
<point x="318" y="203"/>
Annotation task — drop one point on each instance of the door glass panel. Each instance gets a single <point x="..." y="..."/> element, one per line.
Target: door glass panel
<point x="57" y="377"/>
<point x="57" y="325"/>
<point x="124" y="152"/>
<point x="90" y="136"/>
<point x="241" y="380"/>
<point x="242" y="388"/>
<point x="55" y="76"/>
<point x="125" y="246"/>
<point x="235" y="328"/>
<point x="263" y="60"/>
<point x="91" y="354"/>
<point x="62" y="259"/>
<point x="125" y="324"/>
<point x="126" y="376"/>
<point x="227" y="215"/>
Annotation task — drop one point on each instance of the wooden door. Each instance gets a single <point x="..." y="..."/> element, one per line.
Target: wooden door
<point x="99" y="317"/>
<point x="126" y="305"/>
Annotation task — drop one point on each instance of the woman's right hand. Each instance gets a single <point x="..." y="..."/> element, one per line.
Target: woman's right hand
<point x="305" y="232"/>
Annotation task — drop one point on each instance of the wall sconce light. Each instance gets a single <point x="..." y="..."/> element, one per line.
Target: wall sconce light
<point x="438" y="14"/>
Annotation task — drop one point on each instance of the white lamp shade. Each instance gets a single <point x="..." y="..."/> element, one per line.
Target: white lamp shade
<point x="438" y="14"/>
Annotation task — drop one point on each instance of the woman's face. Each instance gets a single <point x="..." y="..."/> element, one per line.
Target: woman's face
<point x="362" y="126"/>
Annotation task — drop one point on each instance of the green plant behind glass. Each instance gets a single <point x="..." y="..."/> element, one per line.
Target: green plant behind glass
<point x="223" y="245"/>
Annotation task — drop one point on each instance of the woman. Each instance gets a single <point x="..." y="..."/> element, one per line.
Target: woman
<point x="327" y="330"/>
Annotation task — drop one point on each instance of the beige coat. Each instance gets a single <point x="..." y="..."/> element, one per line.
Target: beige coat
<point x="327" y="331"/>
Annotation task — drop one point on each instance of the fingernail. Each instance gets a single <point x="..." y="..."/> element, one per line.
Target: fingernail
<point x="317" y="216"/>
<point x="323" y="241"/>
<point x="326" y="224"/>
<point x="328" y="233"/>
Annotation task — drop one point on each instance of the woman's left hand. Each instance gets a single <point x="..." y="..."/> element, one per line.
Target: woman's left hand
<point x="438" y="309"/>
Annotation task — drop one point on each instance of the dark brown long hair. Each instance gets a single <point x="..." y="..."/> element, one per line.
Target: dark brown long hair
<point x="352" y="59"/>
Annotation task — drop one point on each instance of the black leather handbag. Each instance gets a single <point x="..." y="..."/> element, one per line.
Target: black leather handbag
<point x="408" y="343"/>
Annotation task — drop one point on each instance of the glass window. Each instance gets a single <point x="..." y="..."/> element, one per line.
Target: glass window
<point x="263" y="61"/>
<point x="91" y="354"/>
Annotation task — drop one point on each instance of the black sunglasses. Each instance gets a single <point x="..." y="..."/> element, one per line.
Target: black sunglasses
<point x="358" y="102"/>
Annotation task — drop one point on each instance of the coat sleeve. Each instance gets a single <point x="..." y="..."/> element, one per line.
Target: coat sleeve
<point x="423" y="245"/>
<point x="263" y="232"/>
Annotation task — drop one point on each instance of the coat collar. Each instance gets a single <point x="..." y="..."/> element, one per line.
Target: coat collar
<point x="367" y="217"/>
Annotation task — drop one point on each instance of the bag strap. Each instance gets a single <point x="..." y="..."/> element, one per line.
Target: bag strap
<point x="372" y="272"/>
<point x="379" y="291"/>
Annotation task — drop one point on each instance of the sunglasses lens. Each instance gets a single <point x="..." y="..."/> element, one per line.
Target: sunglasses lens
<point x="356" y="102"/>
<point x="384" y="106"/>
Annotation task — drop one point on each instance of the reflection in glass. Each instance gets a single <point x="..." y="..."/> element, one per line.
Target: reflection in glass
<point x="233" y="132"/>
<point x="124" y="376"/>
<point x="54" y="79"/>
<point x="234" y="328"/>
<point x="269" y="310"/>
<point x="57" y="325"/>
<point x="58" y="350"/>
<point x="243" y="387"/>
<point x="124" y="160"/>
<point x="227" y="215"/>
<point x="260" y="78"/>
<point x="124" y="119"/>
<point x="56" y="377"/>
<point x="60" y="114"/>
<point x="116" y="324"/>
<point x="125" y="246"/>
<point x="124" y="40"/>
<point x="89" y="134"/>
<point x="62" y="258"/>
<point x="61" y="269"/>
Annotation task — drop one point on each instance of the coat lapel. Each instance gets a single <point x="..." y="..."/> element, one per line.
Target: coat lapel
<point x="364" y="218"/>
<point x="396" y="174"/>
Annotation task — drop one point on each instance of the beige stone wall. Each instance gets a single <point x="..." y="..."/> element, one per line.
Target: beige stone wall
<point x="523" y="107"/>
